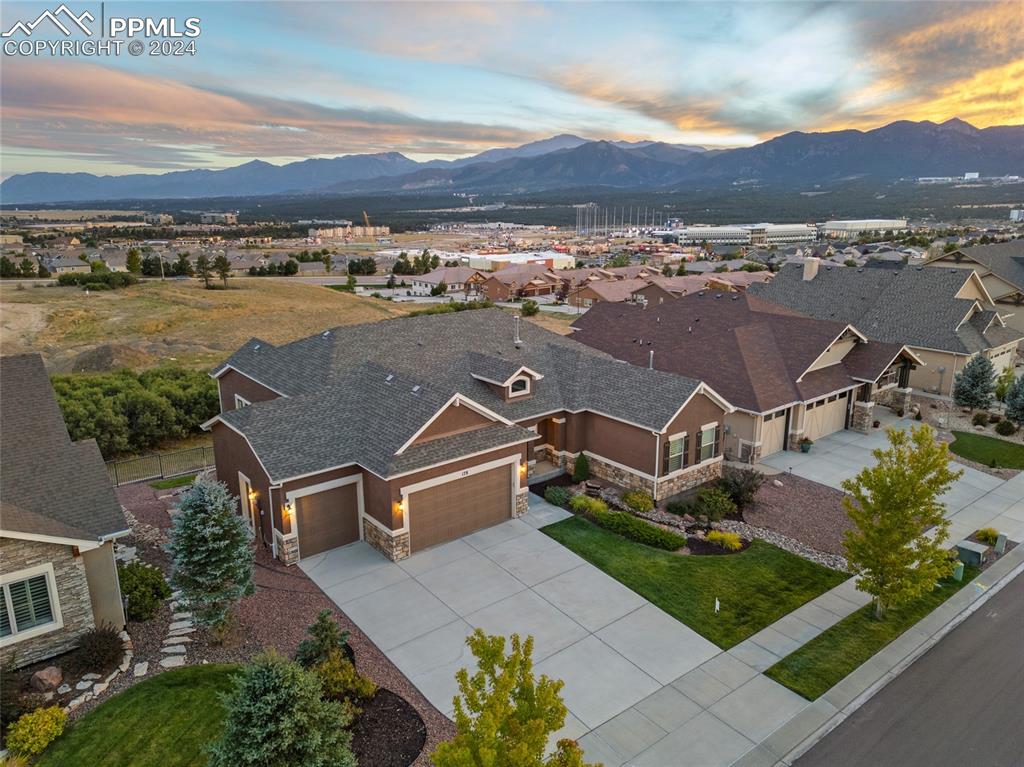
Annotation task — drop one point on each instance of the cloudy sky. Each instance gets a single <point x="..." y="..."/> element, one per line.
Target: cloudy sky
<point x="290" y="80"/>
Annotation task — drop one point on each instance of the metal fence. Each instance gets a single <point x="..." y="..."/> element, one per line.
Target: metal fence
<point x="160" y="465"/>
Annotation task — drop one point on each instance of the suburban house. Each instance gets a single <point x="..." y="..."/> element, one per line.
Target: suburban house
<point x="411" y="432"/>
<point x="789" y="376"/>
<point x="58" y="520"/>
<point x="528" y="281"/>
<point x="610" y="291"/>
<point x="737" y="280"/>
<point x="945" y="316"/>
<point x="658" y="290"/>
<point x="457" y="279"/>
<point x="1001" y="269"/>
<point x="67" y="265"/>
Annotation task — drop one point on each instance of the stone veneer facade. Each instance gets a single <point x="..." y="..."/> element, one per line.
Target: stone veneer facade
<point x="862" y="417"/>
<point x="895" y="399"/>
<point x="287" y="547"/>
<point x="394" y="547"/>
<point x="72" y="596"/>
<point x="692" y="477"/>
<point x="618" y="476"/>
<point x="522" y="502"/>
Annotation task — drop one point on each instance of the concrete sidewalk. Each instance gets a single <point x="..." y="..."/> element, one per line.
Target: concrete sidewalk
<point x="796" y="736"/>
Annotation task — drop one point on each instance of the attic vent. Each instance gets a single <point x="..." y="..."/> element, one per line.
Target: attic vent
<point x="325" y="334"/>
<point x="390" y="378"/>
<point x="416" y="389"/>
<point x="701" y="294"/>
<point x="718" y="295"/>
<point x="256" y="348"/>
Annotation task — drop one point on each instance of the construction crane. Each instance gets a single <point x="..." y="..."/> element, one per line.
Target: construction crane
<point x="366" y="220"/>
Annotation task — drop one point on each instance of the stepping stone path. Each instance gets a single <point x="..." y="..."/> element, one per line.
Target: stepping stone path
<point x="141" y="668"/>
<point x="89" y="685"/>
<point x="173" y="648"/>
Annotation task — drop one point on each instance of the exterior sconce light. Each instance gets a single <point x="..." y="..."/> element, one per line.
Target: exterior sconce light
<point x="289" y="510"/>
<point x="398" y="511"/>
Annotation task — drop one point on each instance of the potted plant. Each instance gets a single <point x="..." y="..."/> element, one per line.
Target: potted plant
<point x="805" y="444"/>
<point x="876" y="423"/>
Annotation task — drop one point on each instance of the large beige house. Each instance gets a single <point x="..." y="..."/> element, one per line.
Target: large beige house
<point x="944" y="316"/>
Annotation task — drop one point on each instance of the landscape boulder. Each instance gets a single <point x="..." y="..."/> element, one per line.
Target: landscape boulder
<point x="47" y="679"/>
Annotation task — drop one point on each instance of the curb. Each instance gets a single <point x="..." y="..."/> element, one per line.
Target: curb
<point x="803" y="746"/>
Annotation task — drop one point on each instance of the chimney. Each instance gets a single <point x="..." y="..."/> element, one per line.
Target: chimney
<point x="811" y="268"/>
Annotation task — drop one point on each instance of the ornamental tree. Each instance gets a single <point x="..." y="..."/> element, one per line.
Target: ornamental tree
<point x="1015" y="401"/>
<point x="211" y="553"/>
<point x="1003" y="383"/>
<point x="276" y="717"/>
<point x="892" y="504"/>
<point x="503" y="716"/>
<point x="974" y="386"/>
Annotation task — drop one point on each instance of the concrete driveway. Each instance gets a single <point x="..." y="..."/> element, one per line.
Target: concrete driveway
<point x="612" y="647"/>
<point x="975" y="500"/>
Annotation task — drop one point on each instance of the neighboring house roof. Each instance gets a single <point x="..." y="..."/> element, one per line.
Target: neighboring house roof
<point x="519" y="274"/>
<point x="1004" y="259"/>
<point x="52" y="486"/>
<point x="754" y="353"/>
<point x="913" y="306"/>
<point x="341" y="407"/>
<point x="612" y="290"/>
<point x="449" y="275"/>
<point x="681" y="285"/>
<point x="739" y="280"/>
<point x="704" y="267"/>
<point x="631" y="272"/>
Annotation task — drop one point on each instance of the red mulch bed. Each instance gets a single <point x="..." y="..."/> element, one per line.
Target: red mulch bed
<point x="803" y="510"/>
<point x="276" y="616"/>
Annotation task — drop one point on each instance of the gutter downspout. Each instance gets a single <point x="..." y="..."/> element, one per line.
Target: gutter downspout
<point x="657" y="455"/>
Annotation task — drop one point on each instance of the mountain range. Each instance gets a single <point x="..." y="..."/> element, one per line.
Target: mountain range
<point x="901" y="149"/>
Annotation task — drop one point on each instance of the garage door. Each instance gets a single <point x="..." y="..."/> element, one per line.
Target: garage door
<point x="826" y="416"/>
<point x="327" y="520"/>
<point x="773" y="433"/>
<point x="445" y="512"/>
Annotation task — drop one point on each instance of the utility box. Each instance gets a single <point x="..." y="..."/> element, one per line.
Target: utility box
<point x="958" y="572"/>
<point x="1000" y="547"/>
<point x="971" y="553"/>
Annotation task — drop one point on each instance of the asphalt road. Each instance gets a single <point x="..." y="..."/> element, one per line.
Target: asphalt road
<point x="962" y="703"/>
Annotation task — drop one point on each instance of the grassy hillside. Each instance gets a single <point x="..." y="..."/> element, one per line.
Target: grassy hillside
<point x="154" y="321"/>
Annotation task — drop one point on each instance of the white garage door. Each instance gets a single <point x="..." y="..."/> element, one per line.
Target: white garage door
<point x="826" y="416"/>
<point x="773" y="433"/>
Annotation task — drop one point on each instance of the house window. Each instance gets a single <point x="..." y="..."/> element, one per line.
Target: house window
<point x="708" y="443"/>
<point x="28" y="603"/>
<point x="519" y="387"/>
<point x="241" y="402"/>
<point x="675" y="454"/>
<point x="890" y="377"/>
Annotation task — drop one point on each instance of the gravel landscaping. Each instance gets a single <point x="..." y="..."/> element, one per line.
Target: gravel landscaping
<point x="806" y="511"/>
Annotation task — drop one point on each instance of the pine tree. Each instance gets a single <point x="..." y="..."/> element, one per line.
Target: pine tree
<point x="222" y="267"/>
<point x="133" y="263"/>
<point x="891" y="505"/>
<point x="975" y="384"/>
<point x="211" y="553"/>
<point x="503" y="715"/>
<point x="1015" y="401"/>
<point x="276" y="717"/>
<point x="203" y="269"/>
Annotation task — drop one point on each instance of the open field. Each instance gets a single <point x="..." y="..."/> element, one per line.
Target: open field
<point x="177" y="320"/>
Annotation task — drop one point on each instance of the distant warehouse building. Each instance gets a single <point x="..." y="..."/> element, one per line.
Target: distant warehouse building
<point x="158" y="219"/>
<point x="779" y="234"/>
<point x="852" y="227"/>
<point x="747" y="234"/>
<point x="218" y="218"/>
<point x="715" y="235"/>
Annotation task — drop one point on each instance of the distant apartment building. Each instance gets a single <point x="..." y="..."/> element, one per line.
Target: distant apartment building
<point x="747" y="234"/>
<point x="218" y="218"/>
<point x="1017" y="216"/>
<point x="329" y="233"/>
<point x="854" y="227"/>
<point x="714" y="235"/>
<point x="972" y="176"/>
<point x="158" y="219"/>
<point x="779" y="234"/>
<point x="370" y="231"/>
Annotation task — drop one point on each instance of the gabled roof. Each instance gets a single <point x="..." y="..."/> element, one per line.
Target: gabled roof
<point x="51" y="486"/>
<point x="449" y="275"/>
<point x="1003" y="259"/>
<point x="612" y="290"/>
<point x="913" y="306"/>
<point x="358" y="393"/>
<point x="754" y="353"/>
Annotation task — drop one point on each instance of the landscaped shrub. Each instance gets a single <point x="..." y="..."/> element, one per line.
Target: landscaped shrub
<point x="638" y="530"/>
<point x="994" y="418"/>
<point x="325" y="636"/>
<point x="979" y="419"/>
<point x="987" y="535"/>
<point x="341" y="681"/>
<point x="276" y="715"/>
<point x="450" y="307"/>
<point x="584" y="504"/>
<point x="13" y="701"/>
<point x="99" y="648"/>
<point x="530" y="308"/>
<point x="581" y="469"/>
<point x="741" y="485"/>
<point x="682" y="508"/>
<point x="94" y="280"/>
<point x="638" y="501"/>
<point x="131" y="412"/>
<point x="35" y="730"/>
<point x="715" y="504"/>
<point x="557" y="495"/>
<point x="143" y="587"/>
<point x="725" y="540"/>
<point x="1006" y="428"/>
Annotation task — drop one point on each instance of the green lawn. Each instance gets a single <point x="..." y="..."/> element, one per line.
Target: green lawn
<point x="168" y="484"/>
<point x="823" y="662"/>
<point x="978" y="447"/>
<point x="755" y="587"/>
<point x="165" y="721"/>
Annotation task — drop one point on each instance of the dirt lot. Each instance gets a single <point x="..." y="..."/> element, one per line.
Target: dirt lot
<point x="155" y="321"/>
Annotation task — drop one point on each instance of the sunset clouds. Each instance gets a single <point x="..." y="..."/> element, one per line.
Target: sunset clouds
<point x="296" y="79"/>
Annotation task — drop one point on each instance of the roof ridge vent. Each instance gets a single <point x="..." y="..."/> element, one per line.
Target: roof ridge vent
<point x="390" y="378"/>
<point x="416" y="389"/>
<point x="325" y="334"/>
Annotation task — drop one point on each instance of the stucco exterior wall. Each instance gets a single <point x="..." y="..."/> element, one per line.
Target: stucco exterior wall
<point x="72" y="597"/>
<point x="104" y="588"/>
